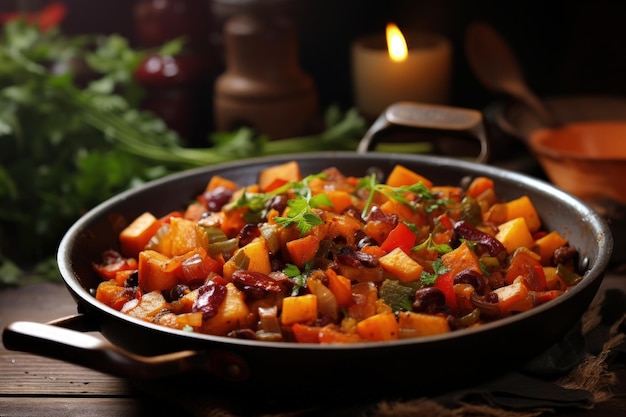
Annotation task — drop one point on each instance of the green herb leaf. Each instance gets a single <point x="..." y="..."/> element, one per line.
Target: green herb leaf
<point x="72" y="134"/>
<point x="429" y="244"/>
<point x="425" y="198"/>
<point x="439" y="268"/>
<point x="297" y="277"/>
<point x="300" y="214"/>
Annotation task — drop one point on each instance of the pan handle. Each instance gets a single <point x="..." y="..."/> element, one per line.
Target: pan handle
<point x="54" y="340"/>
<point x="458" y="122"/>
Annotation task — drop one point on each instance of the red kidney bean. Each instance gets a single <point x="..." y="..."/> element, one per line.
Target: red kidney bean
<point x="565" y="255"/>
<point x="248" y="233"/>
<point x="216" y="198"/>
<point x="278" y="203"/>
<point x="356" y="259"/>
<point x="255" y="283"/>
<point x="466" y="231"/>
<point x="176" y="292"/>
<point x="210" y="297"/>
<point x="473" y="278"/>
<point x="376" y="214"/>
<point x="132" y="280"/>
<point x="429" y="300"/>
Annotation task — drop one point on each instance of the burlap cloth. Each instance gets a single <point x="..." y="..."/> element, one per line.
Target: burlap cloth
<point x="573" y="374"/>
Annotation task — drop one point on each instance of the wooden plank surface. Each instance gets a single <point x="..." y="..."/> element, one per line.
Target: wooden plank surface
<point x="37" y="386"/>
<point x="32" y="385"/>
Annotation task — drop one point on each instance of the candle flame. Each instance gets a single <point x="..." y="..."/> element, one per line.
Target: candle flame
<point x="396" y="44"/>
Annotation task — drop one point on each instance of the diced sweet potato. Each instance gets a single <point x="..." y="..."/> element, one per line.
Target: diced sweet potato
<point x="231" y="314"/>
<point x="185" y="303"/>
<point x="258" y="253"/>
<point x="401" y="175"/>
<point x="522" y="263"/>
<point x="401" y="265"/>
<point x="300" y="309"/>
<point x="157" y="271"/>
<point x="341" y="200"/>
<point x="113" y="295"/>
<point x="185" y="235"/>
<point x="378" y="327"/>
<point x="514" y="234"/>
<point x="137" y="234"/>
<point x="303" y="250"/>
<point x="523" y="207"/>
<point x="547" y="244"/>
<point x="219" y="181"/>
<point x="331" y="334"/>
<point x="460" y="259"/>
<point x="306" y="334"/>
<point x="279" y="174"/>
<point x="419" y="324"/>
<point x="478" y="186"/>
<point x="513" y="297"/>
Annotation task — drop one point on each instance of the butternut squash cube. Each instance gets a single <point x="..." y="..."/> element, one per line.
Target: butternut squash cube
<point x="278" y="175"/>
<point x="461" y="259"/>
<point x="523" y="207"/>
<point x="379" y="327"/>
<point x="514" y="297"/>
<point x="259" y="255"/>
<point x="514" y="234"/>
<point x="547" y="244"/>
<point x="135" y="237"/>
<point x="400" y="175"/>
<point x="231" y="314"/>
<point x="157" y="271"/>
<point x="553" y="280"/>
<point x="401" y="265"/>
<point x="419" y="324"/>
<point x="299" y="309"/>
<point x="185" y="235"/>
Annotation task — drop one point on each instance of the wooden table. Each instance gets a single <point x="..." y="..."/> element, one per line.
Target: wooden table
<point x="37" y="386"/>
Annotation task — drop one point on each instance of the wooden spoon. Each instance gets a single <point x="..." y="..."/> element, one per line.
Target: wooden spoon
<point x="496" y="67"/>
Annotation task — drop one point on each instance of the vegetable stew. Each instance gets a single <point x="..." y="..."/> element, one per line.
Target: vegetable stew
<point x="330" y="258"/>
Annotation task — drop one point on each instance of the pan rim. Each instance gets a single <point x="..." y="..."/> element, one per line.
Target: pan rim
<point x="594" y="273"/>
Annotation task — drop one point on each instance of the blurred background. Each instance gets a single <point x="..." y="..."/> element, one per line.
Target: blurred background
<point x="564" y="46"/>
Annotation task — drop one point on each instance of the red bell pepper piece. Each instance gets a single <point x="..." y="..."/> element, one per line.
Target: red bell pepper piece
<point x="401" y="237"/>
<point x="445" y="282"/>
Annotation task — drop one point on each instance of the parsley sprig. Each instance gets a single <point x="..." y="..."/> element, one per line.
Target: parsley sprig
<point x="301" y="214"/>
<point x="301" y="206"/>
<point x="72" y="134"/>
<point x="429" y="244"/>
<point x="426" y="198"/>
<point x="296" y="276"/>
<point x="439" y="268"/>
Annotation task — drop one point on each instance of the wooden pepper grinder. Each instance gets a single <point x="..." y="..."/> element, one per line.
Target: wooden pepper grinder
<point x="263" y="86"/>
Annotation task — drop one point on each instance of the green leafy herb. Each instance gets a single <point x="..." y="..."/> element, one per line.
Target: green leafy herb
<point x="429" y="244"/>
<point x="296" y="276"/>
<point x="439" y="268"/>
<point x="426" y="199"/>
<point x="72" y="134"/>
<point x="301" y="214"/>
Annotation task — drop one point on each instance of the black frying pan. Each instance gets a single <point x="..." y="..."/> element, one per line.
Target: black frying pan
<point x="415" y="365"/>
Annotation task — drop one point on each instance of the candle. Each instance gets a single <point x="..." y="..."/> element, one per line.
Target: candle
<point x="386" y="72"/>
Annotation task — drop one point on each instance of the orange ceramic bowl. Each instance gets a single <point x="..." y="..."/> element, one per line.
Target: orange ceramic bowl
<point x="586" y="159"/>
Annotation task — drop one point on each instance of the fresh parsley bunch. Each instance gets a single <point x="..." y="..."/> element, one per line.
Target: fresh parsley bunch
<point x="72" y="135"/>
